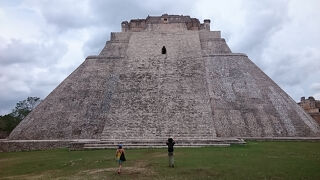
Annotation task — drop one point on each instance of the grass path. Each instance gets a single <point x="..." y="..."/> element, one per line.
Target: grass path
<point x="256" y="160"/>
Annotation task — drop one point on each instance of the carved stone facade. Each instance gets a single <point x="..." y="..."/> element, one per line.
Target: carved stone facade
<point x="312" y="107"/>
<point x="173" y="23"/>
<point x="197" y="89"/>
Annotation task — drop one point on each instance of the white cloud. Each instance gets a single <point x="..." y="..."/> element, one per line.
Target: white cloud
<point x="292" y="57"/>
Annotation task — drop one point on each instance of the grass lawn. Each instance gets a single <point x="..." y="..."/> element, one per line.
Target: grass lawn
<point x="255" y="160"/>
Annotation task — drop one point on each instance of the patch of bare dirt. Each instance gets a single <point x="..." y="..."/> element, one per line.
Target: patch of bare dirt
<point x="160" y="155"/>
<point x="44" y="175"/>
<point x="6" y="159"/>
<point x="139" y="168"/>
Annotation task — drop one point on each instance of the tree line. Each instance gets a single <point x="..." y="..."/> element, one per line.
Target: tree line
<point x="9" y="121"/>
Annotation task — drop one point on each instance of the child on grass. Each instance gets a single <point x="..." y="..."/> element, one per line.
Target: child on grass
<point x="120" y="157"/>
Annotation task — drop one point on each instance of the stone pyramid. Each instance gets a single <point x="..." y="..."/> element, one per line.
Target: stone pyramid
<point x="166" y="76"/>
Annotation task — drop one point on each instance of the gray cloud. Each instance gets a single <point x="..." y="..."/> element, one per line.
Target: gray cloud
<point x="96" y="42"/>
<point x="39" y="53"/>
<point x="64" y="14"/>
<point x="316" y="87"/>
<point x="262" y="20"/>
<point x="27" y="69"/>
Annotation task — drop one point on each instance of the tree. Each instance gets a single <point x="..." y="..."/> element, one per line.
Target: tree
<point x="23" y="108"/>
<point x="9" y="121"/>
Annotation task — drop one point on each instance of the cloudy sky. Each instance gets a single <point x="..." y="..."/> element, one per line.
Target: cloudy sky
<point x="42" y="42"/>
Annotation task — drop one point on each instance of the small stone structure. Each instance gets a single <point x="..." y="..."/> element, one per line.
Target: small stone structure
<point x="165" y="76"/>
<point x="312" y="107"/>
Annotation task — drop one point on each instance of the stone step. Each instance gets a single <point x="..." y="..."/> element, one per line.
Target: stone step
<point x="163" y="142"/>
<point x="178" y="138"/>
<point x="184" y="140"/>
<point x="160" y="137"/>
<point x="190" y="134"/>
<point x="152" y="143"/>
<point x="125" y="145"/>
<point x="134" y="146"/>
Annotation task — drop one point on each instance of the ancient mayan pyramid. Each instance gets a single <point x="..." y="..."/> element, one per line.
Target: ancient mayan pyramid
<point x="166" y="76"/>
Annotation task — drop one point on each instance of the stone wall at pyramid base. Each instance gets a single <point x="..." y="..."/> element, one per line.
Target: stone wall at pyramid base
<point x="86" y="144"/>
<point x="90" y="144"/>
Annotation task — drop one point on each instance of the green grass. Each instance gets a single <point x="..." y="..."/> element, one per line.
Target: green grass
<point x="256" y="160"/>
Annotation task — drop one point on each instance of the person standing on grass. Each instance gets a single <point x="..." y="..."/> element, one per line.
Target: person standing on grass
<point x="170" y="144"/>
<point x="120" y="157"/>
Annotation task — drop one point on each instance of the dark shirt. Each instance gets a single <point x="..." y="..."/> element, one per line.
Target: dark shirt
<point x="170" y="146"/>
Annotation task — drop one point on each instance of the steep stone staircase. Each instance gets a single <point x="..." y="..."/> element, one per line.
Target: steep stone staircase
<point x="153" y="143"/>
